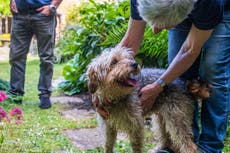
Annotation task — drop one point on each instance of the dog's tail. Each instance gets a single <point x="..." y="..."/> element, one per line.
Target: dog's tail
<point x="199" y="89"/>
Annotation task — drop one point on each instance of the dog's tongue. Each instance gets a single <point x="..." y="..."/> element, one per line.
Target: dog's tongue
<point x="132" y="82"/>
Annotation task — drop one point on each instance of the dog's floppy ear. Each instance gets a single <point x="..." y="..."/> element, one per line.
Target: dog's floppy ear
<point x="93" y="80"/>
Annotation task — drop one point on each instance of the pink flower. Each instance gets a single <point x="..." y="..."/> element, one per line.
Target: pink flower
<point x="3" y="96"/>
<point x="16" y="111"/>
<point x="3" y="114"/>
<point x="18" y="122"/>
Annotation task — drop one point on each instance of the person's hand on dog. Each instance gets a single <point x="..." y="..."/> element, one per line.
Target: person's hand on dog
<point x="103" y="113"/>
<point x="148" y="95"/>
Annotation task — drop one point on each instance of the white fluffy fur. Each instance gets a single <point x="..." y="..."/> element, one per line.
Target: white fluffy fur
<point x="161" y="13"/>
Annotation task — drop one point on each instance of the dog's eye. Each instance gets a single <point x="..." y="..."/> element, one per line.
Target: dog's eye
<point x="114" y="62"/>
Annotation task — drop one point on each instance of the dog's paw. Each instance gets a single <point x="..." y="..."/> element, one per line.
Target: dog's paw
<point x="199" y="89"/>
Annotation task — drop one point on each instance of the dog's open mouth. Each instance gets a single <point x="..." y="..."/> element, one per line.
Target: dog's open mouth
<point x="129" y="81"/>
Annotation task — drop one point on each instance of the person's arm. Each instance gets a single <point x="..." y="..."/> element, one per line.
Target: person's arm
<point x="134" y="35"/>
<point x="56" y="3"/>
<point x="46" y="9"/>
<point x="187" y="54"/>
<point x="184" y="59"/>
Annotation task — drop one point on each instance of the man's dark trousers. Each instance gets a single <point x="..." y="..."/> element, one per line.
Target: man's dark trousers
<point x="24" y="27"/>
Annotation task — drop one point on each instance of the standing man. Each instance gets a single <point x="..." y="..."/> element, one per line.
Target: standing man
<point x="32" y="18"/>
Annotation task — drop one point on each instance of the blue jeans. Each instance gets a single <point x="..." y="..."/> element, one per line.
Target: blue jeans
<point x="24" y="27"/>
<point x="214" y="67"/>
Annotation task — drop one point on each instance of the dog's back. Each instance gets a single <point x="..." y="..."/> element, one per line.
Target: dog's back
<point x="174" y="108"/>
<point x="176" y="96"/>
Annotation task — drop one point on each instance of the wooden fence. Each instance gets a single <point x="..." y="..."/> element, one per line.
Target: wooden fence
<point x="5" y="25"/>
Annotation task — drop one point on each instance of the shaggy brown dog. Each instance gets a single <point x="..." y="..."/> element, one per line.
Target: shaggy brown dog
<point x="116" y="78"/>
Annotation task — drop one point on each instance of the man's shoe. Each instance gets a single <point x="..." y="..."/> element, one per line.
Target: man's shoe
<point x="17" y="101"/>
<point x="44" y="101"/>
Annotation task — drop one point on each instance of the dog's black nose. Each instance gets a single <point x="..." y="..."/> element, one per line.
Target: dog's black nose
<point x="134" y="65"/>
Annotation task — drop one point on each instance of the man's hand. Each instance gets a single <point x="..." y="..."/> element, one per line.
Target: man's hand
<point x="13" y="7"/>
<point x="148" y="95"/>
<point x="45" y="10"/>
<point x="103" y="113"/>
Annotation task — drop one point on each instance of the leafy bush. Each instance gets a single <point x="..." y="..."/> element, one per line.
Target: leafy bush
<point x="89" y="25"/>
<point x="4" y="85"/>
<point x="94" y="27"/>
<point x="5" y="7"/>
<point x="83" y="40"/>
<point x="153" y="51"/>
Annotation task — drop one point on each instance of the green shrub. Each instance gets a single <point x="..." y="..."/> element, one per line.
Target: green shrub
<point x="88" y="26"/>
<point x="94" y="27"/>
<point x="83" y="38"/>
<point x="5" y="8"/>
<point x="4" y="85"/>
<point x="154" y="48"/>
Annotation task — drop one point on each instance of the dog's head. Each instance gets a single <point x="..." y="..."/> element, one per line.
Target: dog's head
<point x="113" y="71"/>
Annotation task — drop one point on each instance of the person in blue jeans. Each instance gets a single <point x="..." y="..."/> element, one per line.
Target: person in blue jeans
<point x="199" y="45"/>
<point x="32" y="18"/>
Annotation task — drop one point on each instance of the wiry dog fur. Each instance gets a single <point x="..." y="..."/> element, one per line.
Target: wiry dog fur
<point x="111" y="76"/>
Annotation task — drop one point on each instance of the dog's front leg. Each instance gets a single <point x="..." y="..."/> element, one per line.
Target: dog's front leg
<point x="108" y="135"/>
<point x="136" y="135"/>
<point x="111" y="135"/>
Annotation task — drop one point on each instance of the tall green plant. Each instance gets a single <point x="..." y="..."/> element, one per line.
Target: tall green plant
<point x="84" y="37"/>
<point x="153" y="51"/>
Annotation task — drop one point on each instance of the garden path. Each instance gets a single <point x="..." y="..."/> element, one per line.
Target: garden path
<point x="4" y="53"/>
<point x="5" y="50"/>
<point x="80" y="108"/>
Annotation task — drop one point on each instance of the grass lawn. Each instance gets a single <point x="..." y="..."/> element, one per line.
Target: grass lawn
<point x="41" y="130"/>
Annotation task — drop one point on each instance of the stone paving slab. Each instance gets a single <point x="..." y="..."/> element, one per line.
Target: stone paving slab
<point x="66" y="100"/>
<point x="79" y="114"/>
<point x="84" y="138"/>
<point x="89" y="138"/>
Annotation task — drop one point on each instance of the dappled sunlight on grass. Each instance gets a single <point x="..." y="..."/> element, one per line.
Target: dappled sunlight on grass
<point x="41" y="130"/>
